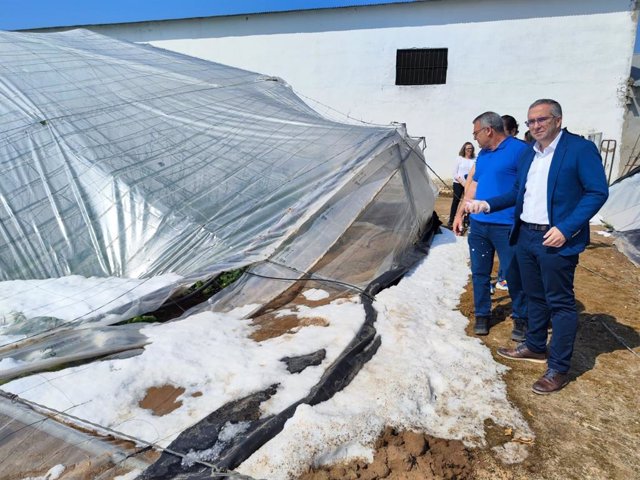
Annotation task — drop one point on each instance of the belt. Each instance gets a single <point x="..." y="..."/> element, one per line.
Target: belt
<point x="536" y="226"/>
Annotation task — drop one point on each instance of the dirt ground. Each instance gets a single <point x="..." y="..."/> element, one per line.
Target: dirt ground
<point x="589" y="430"/>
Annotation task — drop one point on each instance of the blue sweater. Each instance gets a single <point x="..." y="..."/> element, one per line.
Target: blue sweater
<point x="496" y="173"/>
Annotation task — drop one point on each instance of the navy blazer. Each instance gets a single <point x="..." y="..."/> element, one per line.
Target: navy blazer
<point x="576" y="189"/>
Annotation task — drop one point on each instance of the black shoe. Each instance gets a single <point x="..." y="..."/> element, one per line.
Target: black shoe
<point x="481" y="326"/>
<point x="519" y="331"/>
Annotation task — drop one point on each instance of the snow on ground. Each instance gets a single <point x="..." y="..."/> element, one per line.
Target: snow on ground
<point x="53" y="474"/>
<point x="55" y="301"/>
<point x="427" y="375"/>
<point x="207" y="354"/>
<point x="315" y="294"/>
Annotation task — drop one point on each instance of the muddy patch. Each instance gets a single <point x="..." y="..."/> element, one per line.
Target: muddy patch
<point x="162" y="400"/>
<point x="271" y="325"/>
<point x="405" y="456"/>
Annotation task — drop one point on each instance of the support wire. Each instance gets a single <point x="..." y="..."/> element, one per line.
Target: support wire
<point x="48" y="411"/>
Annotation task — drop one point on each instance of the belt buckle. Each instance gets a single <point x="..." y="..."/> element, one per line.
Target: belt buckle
<point x="536" y="226"/>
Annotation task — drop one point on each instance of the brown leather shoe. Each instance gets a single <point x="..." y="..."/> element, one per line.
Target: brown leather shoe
<point x="550" y="382"/>
<point x="521" y="352"/>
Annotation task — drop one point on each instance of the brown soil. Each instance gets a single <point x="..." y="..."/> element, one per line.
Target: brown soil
<point x="272" y="324"/>
<point x="162" y="400"/>
<point x="589" y="430"/>
<point x="405" y="456"/>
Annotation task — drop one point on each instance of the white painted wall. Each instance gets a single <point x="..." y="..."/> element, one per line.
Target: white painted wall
<point x="503" y="54"/>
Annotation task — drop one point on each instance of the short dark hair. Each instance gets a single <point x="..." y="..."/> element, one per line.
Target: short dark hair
<point x="556" y="109"/>
<point x="490" y="119"/>
<point x="510" y="124"/>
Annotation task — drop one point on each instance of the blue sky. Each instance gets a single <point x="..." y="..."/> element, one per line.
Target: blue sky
<point x="16" y="14"/>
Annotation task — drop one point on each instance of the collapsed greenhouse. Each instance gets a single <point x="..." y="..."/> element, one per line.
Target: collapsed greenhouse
<point x="128" y="174"/>
<point x="622" y="212"/>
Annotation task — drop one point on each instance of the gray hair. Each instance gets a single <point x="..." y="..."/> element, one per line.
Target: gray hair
<point x="490" y="119"/>
<point x="556" y="109"/>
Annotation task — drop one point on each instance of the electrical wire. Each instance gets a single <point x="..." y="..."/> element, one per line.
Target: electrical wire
<point x="605" y="278"/>
<point x="315" y="279"/>
<point x="345" y="115"/>
<point x="421" y="154"/>
<point x="309" y="276"/>
<point x="617" y="337"/>
<point x="18" y="430"/>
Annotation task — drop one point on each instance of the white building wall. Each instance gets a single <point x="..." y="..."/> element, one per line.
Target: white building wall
<point x="502" y="56"/>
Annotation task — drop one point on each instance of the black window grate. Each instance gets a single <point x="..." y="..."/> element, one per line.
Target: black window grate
<point x="421" y="66"/>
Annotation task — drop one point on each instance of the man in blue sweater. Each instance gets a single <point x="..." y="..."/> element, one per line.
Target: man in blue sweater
<point x="495" y="173"/>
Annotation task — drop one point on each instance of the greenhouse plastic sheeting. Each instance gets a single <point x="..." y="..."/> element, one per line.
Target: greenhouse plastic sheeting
<point x="67" y="346"/>
<point x="122" y="160"/>
<point x="622" y="211"/>
<point x="125" y="160"/>
<point x="374" y="240"/>
<point x="34" y="438"/>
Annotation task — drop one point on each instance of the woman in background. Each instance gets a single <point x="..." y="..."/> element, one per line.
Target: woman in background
<point x="464" y="162"/>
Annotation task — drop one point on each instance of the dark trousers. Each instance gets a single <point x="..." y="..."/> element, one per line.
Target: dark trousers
<point x="547" y="277"/>
<point x="485" y="239"/>
<point x="458" y="192"/>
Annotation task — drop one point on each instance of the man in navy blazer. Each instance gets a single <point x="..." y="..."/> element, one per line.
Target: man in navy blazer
<point x="561" y="184"/>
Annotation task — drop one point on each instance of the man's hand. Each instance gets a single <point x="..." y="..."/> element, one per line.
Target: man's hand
<point x="457" y="227"/>
<point x="554" y="238"/>
<point x="476" y="206"/>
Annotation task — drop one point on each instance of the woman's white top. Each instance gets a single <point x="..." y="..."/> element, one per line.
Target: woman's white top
<point x="463" y="167"/>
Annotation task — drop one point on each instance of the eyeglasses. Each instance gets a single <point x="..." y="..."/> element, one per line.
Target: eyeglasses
<point x="475" y="132"/>
<point x="539" y="121"/>
<point x="468" y="148"/>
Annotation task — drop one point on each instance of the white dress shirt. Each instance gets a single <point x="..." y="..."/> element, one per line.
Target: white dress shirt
<point x="534" y="209"/>
<point x="463" y="166"/>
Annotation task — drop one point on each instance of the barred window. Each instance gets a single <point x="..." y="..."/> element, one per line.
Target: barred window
<point x="421" y="66"/>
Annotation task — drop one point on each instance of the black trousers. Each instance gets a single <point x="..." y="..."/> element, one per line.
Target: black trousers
<point x="458" y="193"/>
